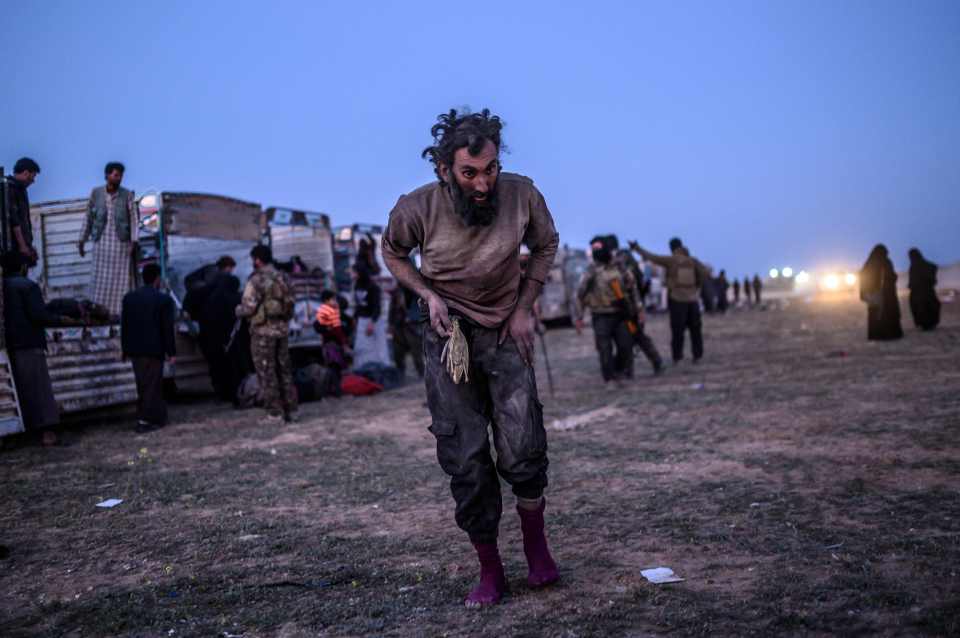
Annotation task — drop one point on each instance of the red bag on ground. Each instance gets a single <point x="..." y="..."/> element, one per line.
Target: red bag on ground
<point x="359" y="386"/>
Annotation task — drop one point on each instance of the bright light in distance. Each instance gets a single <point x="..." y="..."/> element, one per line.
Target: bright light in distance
<point x="850" y="279"/>
<point x="831" y="282"/>
<point x="803" y="277"/>
<point x="787" y="272"/>
<point x="774" y="273"/>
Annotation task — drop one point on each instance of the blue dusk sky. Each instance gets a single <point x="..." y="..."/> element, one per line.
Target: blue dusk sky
<point x="763" y="133"/>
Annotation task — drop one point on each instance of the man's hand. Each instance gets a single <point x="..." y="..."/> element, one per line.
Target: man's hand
<point x="371" y="328"/>
<point x="439" y="315"/>
<point x="520" y="329"/>
<point x="578" y="324"/>
<point x="81" y="249"/>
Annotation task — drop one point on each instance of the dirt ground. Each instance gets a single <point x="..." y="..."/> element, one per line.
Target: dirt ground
<point x="801" y="479"/>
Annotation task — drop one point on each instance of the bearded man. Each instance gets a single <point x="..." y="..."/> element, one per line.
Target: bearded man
<point x="469" y="226"/>
<point x="111" y="223"/>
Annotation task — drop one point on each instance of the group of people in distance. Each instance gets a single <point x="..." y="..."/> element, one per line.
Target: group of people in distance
<point x="878" y="289"/>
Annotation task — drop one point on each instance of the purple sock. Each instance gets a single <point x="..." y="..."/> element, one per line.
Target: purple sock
<point x="493" y="582"/>
<point x="543" y="571"/>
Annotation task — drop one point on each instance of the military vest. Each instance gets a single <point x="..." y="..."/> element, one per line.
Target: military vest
<point x="600" y="296"/>
<point x="277" y="303"/>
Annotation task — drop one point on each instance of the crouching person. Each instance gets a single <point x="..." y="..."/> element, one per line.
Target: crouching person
<point x="146" y="332"/>
<point x="478" y="348"/>
<point x="25" y="319"/>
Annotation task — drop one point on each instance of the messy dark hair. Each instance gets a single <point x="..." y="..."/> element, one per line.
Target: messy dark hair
<point x="454" y="131"/>
<point x="263" y="253"/>
<point x="26" y="164"/>
<point x="113" y="166"/>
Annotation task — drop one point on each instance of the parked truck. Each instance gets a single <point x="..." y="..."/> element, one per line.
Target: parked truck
<point x="10" y="417"/>
<point x="559" y="297"/>
<point x="178" y="231"/>
<point x="304" y="237"/>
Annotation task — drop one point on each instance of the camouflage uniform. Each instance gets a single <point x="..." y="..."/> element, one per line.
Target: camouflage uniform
<point x="268" y="304"/>
<point x="609" y="316"/>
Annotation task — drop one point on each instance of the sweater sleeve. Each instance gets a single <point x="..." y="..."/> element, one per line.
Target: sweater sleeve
<point x="541" y="238"/>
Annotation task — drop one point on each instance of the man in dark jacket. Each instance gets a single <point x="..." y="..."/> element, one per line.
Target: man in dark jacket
<point x="722" y="287"/>
<point x="25" y="320"/>
<point x="147" y="338"/>
<point x="217" y="323"/>
<point x="18" y="232"/>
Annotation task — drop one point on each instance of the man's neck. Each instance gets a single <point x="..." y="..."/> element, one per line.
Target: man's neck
<point x="111" y="188"/>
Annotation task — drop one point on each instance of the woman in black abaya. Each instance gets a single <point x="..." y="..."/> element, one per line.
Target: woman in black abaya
<point x="924" y="304"/>
<point x="878" y="288"/>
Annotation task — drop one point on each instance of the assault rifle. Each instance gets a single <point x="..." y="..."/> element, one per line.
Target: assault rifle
<point x="619" y="296"/>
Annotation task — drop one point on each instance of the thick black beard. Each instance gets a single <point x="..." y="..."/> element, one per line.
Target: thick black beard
<point x="472" y="212"/>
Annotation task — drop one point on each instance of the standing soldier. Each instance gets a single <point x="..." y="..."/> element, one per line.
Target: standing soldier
<point x="757" y="287"/>
<point x="736" y="293"/>
<point x="685" y="275"/>
<point x="268" y="304"/>
<point x="18" y="234"/>
<point x="598" y="291"/>
<point x="478" y="348"/>
<point x="111" y="224"/>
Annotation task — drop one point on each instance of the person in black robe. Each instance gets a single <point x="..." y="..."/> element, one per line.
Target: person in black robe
<point x="722" y="287"/>
<point x="878" y="288"/>
<point x="217" y="321"/>
<point x="924" y="304"/>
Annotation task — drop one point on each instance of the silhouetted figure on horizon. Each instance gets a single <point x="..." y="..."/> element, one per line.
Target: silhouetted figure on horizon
<point x="757" y="287"/>
<point x="878" y="288"/>
<point x="924" y="305"/>
<point x="747" y="290"/>
<point x="736" y="292"/>
<point x="722" y="286"/>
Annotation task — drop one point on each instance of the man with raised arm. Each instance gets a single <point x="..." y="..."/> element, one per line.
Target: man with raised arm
<point x="469" y="225"/>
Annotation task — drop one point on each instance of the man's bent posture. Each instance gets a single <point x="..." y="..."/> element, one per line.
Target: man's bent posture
<point x="469" y="226"/>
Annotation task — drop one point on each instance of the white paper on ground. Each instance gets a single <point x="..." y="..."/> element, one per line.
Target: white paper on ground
<point x="660" y="575"/>
<point x="110" y="502"/>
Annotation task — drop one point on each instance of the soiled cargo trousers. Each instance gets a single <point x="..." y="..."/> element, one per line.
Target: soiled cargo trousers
<point x="501" y="393"/>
